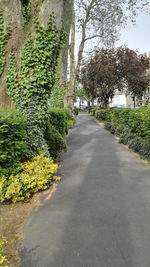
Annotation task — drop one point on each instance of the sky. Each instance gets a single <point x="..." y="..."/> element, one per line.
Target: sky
<point x="137" y="36"/>
<point x="134" y="36"/>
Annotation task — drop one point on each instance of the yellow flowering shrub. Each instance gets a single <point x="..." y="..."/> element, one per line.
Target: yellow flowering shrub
<point x="3" y="258"/>
<point x="36" y="175"/>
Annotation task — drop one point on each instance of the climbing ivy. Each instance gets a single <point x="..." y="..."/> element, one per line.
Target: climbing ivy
<point x="12" y="83"/>
<point x="57" y="95"/>
<point x="30" y="88"/>
<point x="26" y="11"/>
<point x="3" y="42"/>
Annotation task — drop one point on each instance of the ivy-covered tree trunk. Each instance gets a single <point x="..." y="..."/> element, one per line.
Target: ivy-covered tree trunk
<point x="29" y="62"/>
<point x="18" y="16"/>
<point x="11" y="25"/>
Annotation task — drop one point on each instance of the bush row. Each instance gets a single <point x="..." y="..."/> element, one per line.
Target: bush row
<point x="131" y="125"/>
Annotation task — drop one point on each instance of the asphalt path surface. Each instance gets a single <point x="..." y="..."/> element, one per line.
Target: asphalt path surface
<point x="100" y="214"/>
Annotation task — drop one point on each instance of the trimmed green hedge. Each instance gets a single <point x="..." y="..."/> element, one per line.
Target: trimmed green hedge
<point x="59" y="118"/>
<point x="13" y="147"/>
<point x="103" y="114"/>
<point x="56" y="143"/>
<point x="131" y="125"/>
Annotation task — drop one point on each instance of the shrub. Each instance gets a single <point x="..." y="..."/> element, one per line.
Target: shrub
<point x="36" y="175"/>
<point x="3" y="258"/>
<point x="58" y="120"/>
<point x="103" y="114"/>
<point x="132" y="126"/>
<point x="93" y="110"/>
<point x="141" y="145"/>
<point x="13" y="147"/>
<point x="110" y="127"/>
<point x="126" y="137"/>
<point x="138" y="120"/>
<point x="70" y="124"/>
<point x="55" y="141"/>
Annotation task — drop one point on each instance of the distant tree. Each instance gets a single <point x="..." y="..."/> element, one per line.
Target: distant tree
<point x="111" y="69"/>
<point x="133" y="68"/>
<point x="100" y="76"/>
<point x="84" y="96"/>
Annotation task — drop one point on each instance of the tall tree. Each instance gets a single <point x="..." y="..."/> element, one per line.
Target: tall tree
<point x="102" y="19"/>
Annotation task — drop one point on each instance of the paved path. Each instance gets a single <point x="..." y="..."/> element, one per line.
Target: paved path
<point x="100" y="214"/>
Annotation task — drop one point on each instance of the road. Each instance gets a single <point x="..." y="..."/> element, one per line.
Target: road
<point x="100" y="214"/>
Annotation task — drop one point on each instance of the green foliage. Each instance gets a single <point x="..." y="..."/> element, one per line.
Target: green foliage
<point x="137" y="120"/>
<point x="13" y="135"/>
<point x="12" y="83"/>
<point x="55" y="141"/>
<point x="3" y="42"/>
<point x="141" y="145"/>
<point x="35" y="175"/>
<point x="57" y="96"/>
<point x="110" y="127"/>
<point x="30" y="87"/>
<point x="58" y="120"/>
<point x="93" y="110"/>
<point x="68" y="114"/>
<point x="133" y="128"/>
<point x="26" y="11"/>
<point x="3" y="258"/>
<point x="102" y="114"/>
<point x="70" y="124"/>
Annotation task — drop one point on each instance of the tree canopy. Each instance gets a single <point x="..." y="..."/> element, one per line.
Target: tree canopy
<point x="111" y="69"/>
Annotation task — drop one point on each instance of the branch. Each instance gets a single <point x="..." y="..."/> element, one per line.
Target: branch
<point x="92" y="37"/>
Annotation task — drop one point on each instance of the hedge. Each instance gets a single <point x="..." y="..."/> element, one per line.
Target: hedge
<point x="55" y="141"/>
<point x="103" y="114"/>
<point x="13" y="147"/>
<point x="59" y="118"/>
<point x="131" y="125"/>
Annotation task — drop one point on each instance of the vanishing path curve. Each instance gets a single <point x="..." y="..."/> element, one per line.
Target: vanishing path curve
<point x="100" y="214"/>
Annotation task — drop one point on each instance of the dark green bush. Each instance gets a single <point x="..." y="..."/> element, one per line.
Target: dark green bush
<point x="142" y="146"/>
<point x="58" y="120"/>
<point x="126" y="137"/>
<point x="108" y="125"/>
<point x="103" y="114"/>
<point x="132" y="126"/>
<point x="138" y="120"/>
<point x="68" y="114"/>
<point x="55" y="141"/>
<point x="13" y="147"/>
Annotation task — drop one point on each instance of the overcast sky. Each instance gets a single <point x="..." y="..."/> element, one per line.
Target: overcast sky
<point x="137" y="36"/>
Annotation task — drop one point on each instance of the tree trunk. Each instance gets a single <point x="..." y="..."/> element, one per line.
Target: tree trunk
<point x="13" y="17"/>
<point x="70" y="90"/>
<point x="80" y="56"/>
